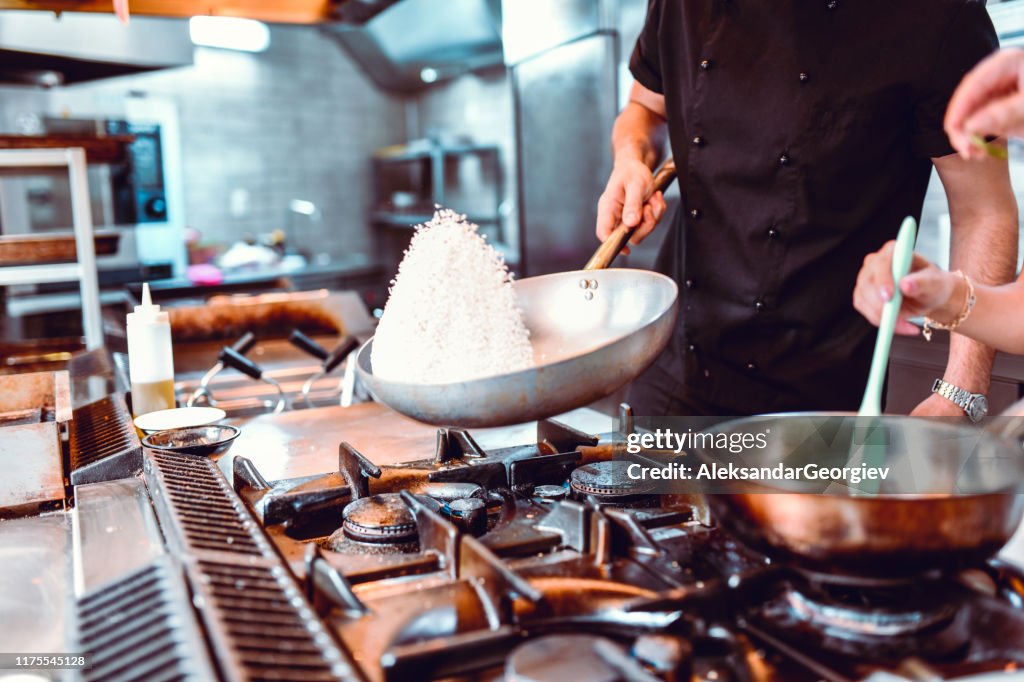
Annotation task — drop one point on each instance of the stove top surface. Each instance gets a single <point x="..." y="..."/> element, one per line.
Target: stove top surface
<point x="355" y="544"/>
<point x="442" y="554"/>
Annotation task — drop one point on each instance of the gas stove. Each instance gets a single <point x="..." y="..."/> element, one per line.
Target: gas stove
<point x="544" y="561"/>
<point x="354" y="544"/>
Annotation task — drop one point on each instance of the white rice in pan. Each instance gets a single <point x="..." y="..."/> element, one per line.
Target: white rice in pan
<point x="452" y="314"/>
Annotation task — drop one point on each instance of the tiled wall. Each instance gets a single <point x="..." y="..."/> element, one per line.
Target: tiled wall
<point x="299" y="121"/>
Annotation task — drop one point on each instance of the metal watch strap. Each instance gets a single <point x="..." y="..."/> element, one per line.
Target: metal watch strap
<point x="955" y="394"/>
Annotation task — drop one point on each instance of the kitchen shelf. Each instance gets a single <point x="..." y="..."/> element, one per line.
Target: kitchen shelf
<point x="84" y="269"/>
<point x="410" y="180"/>
<point x="36" y="249"/>
<point x="105" y="149"/>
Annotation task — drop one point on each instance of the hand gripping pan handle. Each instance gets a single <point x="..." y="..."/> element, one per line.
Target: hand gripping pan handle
<point x="621" y="235"/>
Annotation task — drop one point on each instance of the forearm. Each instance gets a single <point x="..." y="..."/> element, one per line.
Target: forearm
<point x="997" y="318"/>
<point x="638" y="135"/>
<point x="987" y="252"/>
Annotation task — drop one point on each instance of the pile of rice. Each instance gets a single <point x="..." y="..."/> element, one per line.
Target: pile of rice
<point x="452" y="314"/>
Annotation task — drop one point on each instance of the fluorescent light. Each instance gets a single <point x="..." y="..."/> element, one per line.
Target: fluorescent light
<point x="302" y="206"/>
<point x="428" y="75"/>
<point x="229" y="33"/>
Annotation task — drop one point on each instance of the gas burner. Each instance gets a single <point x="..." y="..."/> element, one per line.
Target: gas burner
<point x="609" y="483"/>
<point x="881" y="622"/>
<point x="557" y="658"/>
<point x="864" y="619"/>
<point x="380" y="519"/>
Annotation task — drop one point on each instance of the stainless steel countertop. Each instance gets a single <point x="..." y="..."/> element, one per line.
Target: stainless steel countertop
<point x="35" y="580"/>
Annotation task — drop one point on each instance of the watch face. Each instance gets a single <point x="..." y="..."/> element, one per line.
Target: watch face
<point x="978" y="408"/>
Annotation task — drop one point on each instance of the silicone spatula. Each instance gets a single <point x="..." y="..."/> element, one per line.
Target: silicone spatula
<point x="871" y="405"/>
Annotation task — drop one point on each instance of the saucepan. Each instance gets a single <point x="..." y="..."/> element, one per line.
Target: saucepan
<point x="951" y="497"/>
<point x="593" y="331"/>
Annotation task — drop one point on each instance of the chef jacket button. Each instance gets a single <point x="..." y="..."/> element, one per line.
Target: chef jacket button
<point x="692" y="348"/>
<point x="705" y="64"/>
<point x="707" y="374"/>
<point x="804" y="76"/>
<point x="689" y="283"/>
<point x="773" y="232"/>
<point x="759" y="305"/>
<point x="695" y="213"/>
<point x="751" y="367"/>
<point x="784" y="159"/>
<point x="698" y="141"/>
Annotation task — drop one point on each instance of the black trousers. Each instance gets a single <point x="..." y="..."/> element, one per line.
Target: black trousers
<point x="656" y="393"/>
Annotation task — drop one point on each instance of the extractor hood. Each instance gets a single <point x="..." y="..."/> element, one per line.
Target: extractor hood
<point x="39" y="48"/>
<point x="406" y="45"/>
<point x="409" y="44"/>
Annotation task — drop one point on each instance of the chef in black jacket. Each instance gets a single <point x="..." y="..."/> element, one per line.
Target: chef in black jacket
<point x="803" y="131"/>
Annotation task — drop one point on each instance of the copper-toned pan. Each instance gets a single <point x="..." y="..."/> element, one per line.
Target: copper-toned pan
<point x="952" y="497"/>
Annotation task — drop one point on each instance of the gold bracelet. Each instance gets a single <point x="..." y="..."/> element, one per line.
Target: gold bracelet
<point x="930" y="324"/>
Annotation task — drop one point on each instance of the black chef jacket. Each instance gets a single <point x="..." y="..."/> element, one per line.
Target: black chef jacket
<point x="802" y="131"/>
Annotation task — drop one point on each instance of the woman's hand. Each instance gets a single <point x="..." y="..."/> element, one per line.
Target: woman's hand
<point x="927" y="290"/>
<point x="989" y="101"/>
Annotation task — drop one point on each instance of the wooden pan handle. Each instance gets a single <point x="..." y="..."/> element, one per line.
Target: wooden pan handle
<point x="621" y="235"/>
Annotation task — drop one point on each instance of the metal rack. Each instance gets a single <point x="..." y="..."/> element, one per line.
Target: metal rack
<point x="84" y="269"/>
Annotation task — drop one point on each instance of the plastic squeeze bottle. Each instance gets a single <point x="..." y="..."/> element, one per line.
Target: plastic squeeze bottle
<point x="150" y="357"/>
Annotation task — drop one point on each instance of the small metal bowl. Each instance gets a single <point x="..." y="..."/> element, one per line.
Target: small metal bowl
<point x="200" y="441"/>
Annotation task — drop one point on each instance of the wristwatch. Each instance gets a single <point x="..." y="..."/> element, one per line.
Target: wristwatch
<point x="974" y="404"/>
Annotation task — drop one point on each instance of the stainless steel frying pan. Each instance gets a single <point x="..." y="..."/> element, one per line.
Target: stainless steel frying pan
<point x="593" y="331"/>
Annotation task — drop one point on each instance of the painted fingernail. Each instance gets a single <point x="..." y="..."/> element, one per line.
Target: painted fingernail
<point x="884" y="294"/>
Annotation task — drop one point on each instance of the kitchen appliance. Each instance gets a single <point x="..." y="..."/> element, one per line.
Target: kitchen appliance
<point x="134" y="190"/>
<point x="48" y="49"/>
<point x="530" y="558"/>
<point x="451" y="39"/>
<point x="356" y="544"/>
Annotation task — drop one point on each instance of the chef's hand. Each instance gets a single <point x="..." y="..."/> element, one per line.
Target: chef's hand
<point x="988" y="101"/>
<point x="927" y="290"/>
<point x="623" y="199"/>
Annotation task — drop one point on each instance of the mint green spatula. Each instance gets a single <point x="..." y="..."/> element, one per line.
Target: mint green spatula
<point x="871" y="405"/>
